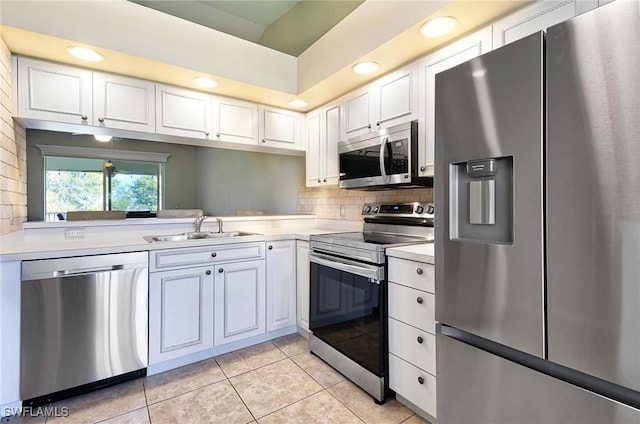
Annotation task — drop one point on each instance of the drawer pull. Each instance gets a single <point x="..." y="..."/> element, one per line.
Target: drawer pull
<point x="419" y="300"/>
<point x="214" y="254"/>
<point x="420" y="380"/>
<point x="208" y="272"/>
<point x="270" y="247"/>
<point x="419" y="271"/>
<point x="220" y="270"/>
<point x="420" y="339"/>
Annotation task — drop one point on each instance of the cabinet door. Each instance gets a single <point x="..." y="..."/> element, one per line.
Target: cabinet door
<point x="332" y="135"/>
<point x="302" y="278"/>
<point x="239" y="301"/>
<point x="281" y="284"/>
<point x="235" y="121"/>
<point x="280" y="128"/>
<point x="180" y="313"/>
<point x="182" y="112"/>
<point x="314" y="148"/>
<point x="537" y="17"/>
<point x="448" y="57"/>
<point x="359" y="112"/>
<point x="52" y="92"/>
<point x="123" y="103"/>
<point x="397" y="97"/>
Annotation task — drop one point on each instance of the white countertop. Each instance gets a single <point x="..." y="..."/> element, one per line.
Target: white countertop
<point x="47" y="240"/>
<point x="415" y="252"/>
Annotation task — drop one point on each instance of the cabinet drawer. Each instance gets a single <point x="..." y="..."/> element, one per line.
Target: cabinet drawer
<point x="403" y="379"/>
<point x="413" y="307"/>
<point x="187" y="257"/>
<point x="413" y="345"/>
<point x="410" y="273"/>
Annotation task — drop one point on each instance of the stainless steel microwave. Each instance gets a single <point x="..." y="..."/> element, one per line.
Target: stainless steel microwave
<point x="382" y="160"/>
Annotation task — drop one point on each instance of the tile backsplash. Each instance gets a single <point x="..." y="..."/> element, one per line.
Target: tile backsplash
<point x="335" y="203"/>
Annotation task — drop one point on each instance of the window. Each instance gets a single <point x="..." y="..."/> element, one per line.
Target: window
<point x="97" y="184"/>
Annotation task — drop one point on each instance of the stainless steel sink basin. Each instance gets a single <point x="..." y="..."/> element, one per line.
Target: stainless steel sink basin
<point x="196" y="236"/>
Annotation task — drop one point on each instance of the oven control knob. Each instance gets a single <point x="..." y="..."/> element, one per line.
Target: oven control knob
<point x="375" y="209"/>
<point x="367" y="209"/>
<point x="430" y="209"/>
<point x="420" y="210"/>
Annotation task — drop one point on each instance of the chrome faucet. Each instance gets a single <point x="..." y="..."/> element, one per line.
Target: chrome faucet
<point x="219" y="220"/>
<point x="198" y="223"/>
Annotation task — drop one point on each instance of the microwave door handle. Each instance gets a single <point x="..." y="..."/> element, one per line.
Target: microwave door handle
<point x="383" y="168"/>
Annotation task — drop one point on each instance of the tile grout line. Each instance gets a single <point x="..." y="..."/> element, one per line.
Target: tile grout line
<point x="345" y="405"/>
<point x="146" y="400"/>
<point x="293" y="403"/>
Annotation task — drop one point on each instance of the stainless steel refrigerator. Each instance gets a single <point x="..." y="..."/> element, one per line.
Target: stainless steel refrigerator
<point x="537" y="191"/>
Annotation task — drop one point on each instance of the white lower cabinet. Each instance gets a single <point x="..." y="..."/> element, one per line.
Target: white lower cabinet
<point x="412" y="342"/>
<point x="302" y="273"/>
<point x="239" y="301"/>
<point x="180" y="313"/>
<point x="281" y="284"/>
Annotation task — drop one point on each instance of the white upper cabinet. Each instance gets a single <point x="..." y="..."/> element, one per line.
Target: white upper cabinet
<point x="323" y="131"/>
<point x="446" y="58"/>
<point x="235" y="121"/>
<point x="52" y="92"/>
<point x="536" y="17"/>
<point x="123" y="103"/>
<point x="183" y="112"/>
<point x="281" y="284"/>
<point x="397" y="99"/>
<point x="388" y="101"/>
<point x="280" y="128"/>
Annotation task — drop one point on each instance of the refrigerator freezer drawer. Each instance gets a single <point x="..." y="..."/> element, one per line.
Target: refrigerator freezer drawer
<point x="413" y="384"/>
<point x="475" y="386"/>
<point x="413" y="345"/>
<point x="413" y="274"/>
<point x="412" y="306"/>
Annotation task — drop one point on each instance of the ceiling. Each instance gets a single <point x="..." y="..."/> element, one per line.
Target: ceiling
<point x="145" y="43"/>
<point x="287" y="26"/>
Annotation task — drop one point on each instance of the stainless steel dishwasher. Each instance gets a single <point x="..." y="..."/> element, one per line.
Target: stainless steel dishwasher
<point x="83" y="324"/>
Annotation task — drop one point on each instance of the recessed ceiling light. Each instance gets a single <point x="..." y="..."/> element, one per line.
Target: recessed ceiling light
<point x="205" y="82"/>
<point x="102" y="138"/>
<point x="438" y="27"/>
<point x="365" y="68"/>
<point x="297" y="103"/>
<point x="84" y="53"/>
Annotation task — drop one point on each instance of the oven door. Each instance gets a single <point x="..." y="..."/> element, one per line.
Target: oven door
<point x="381" y="160"/>
<point x="348" y="308"/>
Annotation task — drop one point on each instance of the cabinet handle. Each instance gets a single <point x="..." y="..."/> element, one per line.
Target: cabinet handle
<point x="208" y="272"/>
<point x="218" y="135"/>
<point x="378" y="123"/>
<point x="369" y="126"/>
<point x="419" y="271"/>
<point x="423" y="168"/>
<point x="319" y="180"/>
<point x="270" y="247"/>
<point x="420" y="339"/>
<point x="420" y="380"/>
<point x="220" y="270"/>
<point x="101" y="119"/>
<point x="324" y="180"/>
<point x="264" y="141"/>
<point x="419" y="300"/>
<point x="214" y="254"/>
<point x="84" y="117"/>
<point x="206" y="133"/>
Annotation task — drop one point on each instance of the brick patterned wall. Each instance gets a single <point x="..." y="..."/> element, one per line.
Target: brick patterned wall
<point x="326" y="202"/>
<point x="13" y="155"/>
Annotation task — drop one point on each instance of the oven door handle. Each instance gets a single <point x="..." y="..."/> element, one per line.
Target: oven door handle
<point x="373" y="272"/>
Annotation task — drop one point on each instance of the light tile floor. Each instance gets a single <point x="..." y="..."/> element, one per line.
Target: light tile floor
<point x="270" y="383"/>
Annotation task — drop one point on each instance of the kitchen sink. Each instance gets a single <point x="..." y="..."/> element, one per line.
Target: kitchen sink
<point x="196" y="236"/>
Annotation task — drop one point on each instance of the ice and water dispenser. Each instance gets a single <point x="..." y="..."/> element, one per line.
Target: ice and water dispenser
<point x="482" y="200"/>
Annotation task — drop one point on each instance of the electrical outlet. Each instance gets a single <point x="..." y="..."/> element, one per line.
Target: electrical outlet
<point x="74" y="233"/>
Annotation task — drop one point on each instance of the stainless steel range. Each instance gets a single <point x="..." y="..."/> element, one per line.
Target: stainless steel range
<point x="348" y="282"/>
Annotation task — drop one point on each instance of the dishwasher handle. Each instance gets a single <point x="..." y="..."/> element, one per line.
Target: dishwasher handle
<point x="82" y="271"/>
